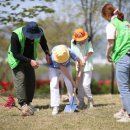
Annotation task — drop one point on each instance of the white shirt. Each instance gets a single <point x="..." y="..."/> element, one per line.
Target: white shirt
<point x="111" y="30"/>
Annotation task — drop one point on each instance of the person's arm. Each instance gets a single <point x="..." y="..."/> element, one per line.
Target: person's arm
<point x="87" y="55"/>
<point x="89" y="52"/>
<point x="111" y="35"/>
<point x="78" y="63"/>
<point x="43" y="43"/>
<point x="16" y="48"/>
<point x="110" y="45"/>
<point x="67" y="74"/>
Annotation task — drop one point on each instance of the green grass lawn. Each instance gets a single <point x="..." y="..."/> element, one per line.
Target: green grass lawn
<point x="98" y="118"/>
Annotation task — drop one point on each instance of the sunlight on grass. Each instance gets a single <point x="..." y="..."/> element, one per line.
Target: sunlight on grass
<point x="98" y="118"/>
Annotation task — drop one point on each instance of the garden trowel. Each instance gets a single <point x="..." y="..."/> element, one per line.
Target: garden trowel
<point x="72" y="106"/>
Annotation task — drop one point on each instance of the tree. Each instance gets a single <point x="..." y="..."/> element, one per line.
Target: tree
<point x="13" y="12"/>
<point x="57" y="32"/>
<point x="91" y="12"/>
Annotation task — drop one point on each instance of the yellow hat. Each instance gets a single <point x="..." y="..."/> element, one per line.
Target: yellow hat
<point x="80" y="35"/>
<point x="61" y="54"/>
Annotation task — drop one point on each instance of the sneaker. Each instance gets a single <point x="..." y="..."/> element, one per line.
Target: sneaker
<point x="65" y="98"/>
<point x="81" y="105"/>
<point x="26" y="110"/>
<point x="90" y="104"/>
<point x="55" y="111"/>
<point x="124" y="119"/>
<point x="120" y="114"/>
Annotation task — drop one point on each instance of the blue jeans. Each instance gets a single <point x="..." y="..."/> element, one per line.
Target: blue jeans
<point x="123" y="80"/>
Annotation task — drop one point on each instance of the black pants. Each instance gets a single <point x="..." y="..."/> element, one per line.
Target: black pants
<point x="24" y="82"/>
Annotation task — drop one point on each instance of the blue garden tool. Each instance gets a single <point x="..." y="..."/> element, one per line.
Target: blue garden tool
<point x="72" y="106"/>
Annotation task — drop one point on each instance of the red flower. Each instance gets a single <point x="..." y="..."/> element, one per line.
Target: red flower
<point x="40" y="83"/>
<point x="10" y="102"/>
<point x="6" y="85"/>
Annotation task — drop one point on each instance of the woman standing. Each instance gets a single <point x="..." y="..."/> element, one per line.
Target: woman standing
<point x="83" y="48"/>
<point x="118" y="51"/>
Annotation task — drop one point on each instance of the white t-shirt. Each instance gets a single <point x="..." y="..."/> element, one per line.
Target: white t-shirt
<point x="111" y="30"/>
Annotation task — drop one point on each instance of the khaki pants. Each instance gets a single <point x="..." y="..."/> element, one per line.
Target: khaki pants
<point x="24" y="83"/>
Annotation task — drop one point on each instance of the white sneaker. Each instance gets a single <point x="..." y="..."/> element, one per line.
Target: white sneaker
<point x="124" y="119"/>
<point x="26" y="110"/>
<point x="90" y="104"/>
<point x="120" y="114"/>
<point x="55" y="111"/>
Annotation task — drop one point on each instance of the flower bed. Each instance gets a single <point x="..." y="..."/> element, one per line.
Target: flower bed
<point x="98" y="87"/>
<point x="103" y="87"/>
<point x="5" y="85"/>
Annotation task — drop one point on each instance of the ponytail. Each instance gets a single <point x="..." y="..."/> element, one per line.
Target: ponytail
<point x="74" y="42"/>
<point x="119" y="14"/>
<point x="109" y="10"/>
<point x="89" y="38"/>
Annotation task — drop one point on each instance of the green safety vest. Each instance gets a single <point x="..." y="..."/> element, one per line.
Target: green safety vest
<point x="122" y="41"/>
<point x="13" y="62"/>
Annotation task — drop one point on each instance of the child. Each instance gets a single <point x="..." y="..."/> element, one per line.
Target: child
<point x="83" y="48"/>
<point x="118" y="51"/>
<point x="61" y="56"/>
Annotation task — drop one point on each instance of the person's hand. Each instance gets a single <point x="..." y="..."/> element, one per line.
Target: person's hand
<point x="83" y="61"/>
<point x="109" y="58"/>
<point x="34" y="64"/>
<point x="48" y="59"/>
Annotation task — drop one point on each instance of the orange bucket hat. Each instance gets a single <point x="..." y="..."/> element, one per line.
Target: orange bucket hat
<point x="61" y="53"/>
<point x="80" y="35"/>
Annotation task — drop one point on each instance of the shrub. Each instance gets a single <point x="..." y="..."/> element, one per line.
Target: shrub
<point x="102" y="87"/>
<point x="43" y="91"/>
